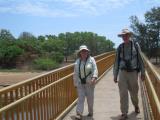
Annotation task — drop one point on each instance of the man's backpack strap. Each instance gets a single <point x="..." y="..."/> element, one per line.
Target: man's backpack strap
<point x="137" y="51"/>
<point x="119" y="51"/>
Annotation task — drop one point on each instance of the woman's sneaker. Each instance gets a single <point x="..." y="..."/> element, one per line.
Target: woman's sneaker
<point x="78" y="117"/>
<point x="137" y="110"/>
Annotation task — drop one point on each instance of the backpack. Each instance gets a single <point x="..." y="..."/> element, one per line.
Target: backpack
<point x="121" y="48"/>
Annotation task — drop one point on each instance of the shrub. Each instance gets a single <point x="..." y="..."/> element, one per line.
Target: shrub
<point x="57" y="56"/>
<point x="44" y="64"/>
<point x="8" y="55"/>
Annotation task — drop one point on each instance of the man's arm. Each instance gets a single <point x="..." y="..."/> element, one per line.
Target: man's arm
<point x="116" y="64"/>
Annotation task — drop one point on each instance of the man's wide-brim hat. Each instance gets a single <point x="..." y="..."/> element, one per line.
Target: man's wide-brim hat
<point x="82" y="47"/>
<point x="124" y="32"/>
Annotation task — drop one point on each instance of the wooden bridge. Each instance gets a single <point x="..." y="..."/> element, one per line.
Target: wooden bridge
<point x="52" y="95"/>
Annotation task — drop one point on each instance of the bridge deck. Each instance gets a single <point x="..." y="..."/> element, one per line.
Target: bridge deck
<point x="106" y="104"/>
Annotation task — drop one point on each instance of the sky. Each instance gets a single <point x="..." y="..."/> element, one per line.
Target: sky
<point x="43" y="17"/>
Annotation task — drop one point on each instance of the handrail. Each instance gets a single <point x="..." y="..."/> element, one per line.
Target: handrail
<point x="155" y="77"/>
<point x="21" y="89"/>
<point x="32" y="94"/>
<point x="154" y="101"/>
<point x="152" y="84"/>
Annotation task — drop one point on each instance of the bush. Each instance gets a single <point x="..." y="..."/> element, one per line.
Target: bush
<point x="57" y="56"/>
<point x="44" y="64"/>
<point x="8" y="55"/>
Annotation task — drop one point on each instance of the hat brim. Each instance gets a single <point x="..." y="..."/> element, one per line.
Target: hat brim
<point x="122" y="34"/>
<point x="83" y="49"/>
<point x="78" y="53"/>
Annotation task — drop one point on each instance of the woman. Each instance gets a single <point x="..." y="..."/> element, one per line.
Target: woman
<point x="85" y="76"/>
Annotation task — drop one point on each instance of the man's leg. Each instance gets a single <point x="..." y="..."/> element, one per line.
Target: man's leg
<point x="123" y="90"/>
<point x="133" y="89"/>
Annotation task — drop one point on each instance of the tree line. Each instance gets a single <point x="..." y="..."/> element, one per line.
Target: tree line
<point x="46" y="52"/>
<point x="148" y="33"/>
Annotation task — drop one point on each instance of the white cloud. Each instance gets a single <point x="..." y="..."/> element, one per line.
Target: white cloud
<point x="5" y="9"/>
<point x="154" y="2"/>
<point x="62" y="8"/>
<point x="96" y="7"/>
<point x="33" y="8"/>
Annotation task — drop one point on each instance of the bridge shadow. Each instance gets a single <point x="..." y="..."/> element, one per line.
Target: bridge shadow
<point x="83" y="118"/>
<point x="131" y="116"/>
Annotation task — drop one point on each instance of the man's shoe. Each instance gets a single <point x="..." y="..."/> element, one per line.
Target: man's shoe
<point x="78" y="117"/>
<point x="137" y="110"/>
<point x="123" y="117"/>
<point x="90" y="115"/>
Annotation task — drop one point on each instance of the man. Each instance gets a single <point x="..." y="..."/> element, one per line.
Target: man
<point x="128" y="63"/>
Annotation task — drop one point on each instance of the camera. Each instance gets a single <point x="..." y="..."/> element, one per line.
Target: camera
<point x="128" y="65"/>
<point x="83" y="80"/>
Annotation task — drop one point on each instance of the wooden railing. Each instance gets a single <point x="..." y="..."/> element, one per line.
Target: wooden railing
<point x="46" y="96"/>
<point x="152" y="87"/>
<point x="19" y="90"/>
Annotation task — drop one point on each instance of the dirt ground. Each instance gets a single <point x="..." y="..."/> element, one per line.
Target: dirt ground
<point x="9" y="78"/>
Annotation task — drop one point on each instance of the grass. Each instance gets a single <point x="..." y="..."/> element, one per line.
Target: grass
<point x="19" y="70"/>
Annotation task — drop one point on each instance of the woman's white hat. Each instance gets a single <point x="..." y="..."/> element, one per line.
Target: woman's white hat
<point x="82" y="47"/>
<point x="124" y="32"/>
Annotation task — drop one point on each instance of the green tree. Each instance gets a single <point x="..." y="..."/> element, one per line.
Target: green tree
<point x="6" y="35"/>
<point x="41" y="38"/>
<point x="153" y="22"/>
<point x="31" y="46"/>
<point x="140" y="33"/>
<point x="9" y="54"/>
<point x="148" y="33"/>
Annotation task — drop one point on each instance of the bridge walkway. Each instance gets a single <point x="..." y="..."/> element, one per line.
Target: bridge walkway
<point x="107" y="102"/>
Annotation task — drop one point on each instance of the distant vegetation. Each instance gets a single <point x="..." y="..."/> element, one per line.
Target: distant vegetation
<point x="148" y="33"/>
<point x="46" y="52"/>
